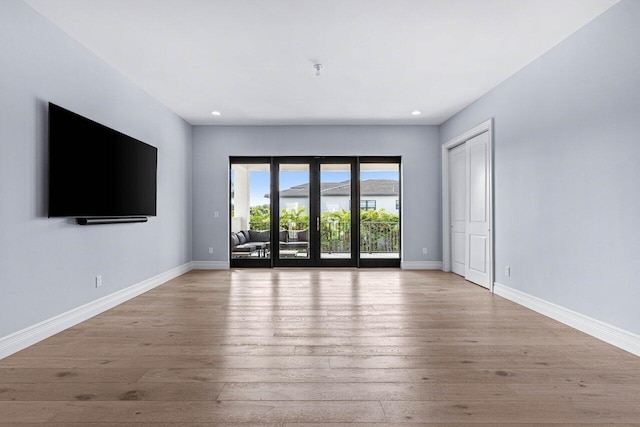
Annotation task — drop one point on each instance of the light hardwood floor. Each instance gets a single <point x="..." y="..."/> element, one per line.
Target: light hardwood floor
<point x="296" y="347"/>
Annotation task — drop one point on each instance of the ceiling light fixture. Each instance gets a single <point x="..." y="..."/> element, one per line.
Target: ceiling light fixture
<point x="318" y="67"/>
<point x="416" y="113"/>
<point x="215" y="113"/>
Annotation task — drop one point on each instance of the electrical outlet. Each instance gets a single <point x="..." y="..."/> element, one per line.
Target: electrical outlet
<point x="424" y="251"/>
<point x="210" y="250"/>
<point x="216" y="214"/>
<point x="98" y="281"/>
<point x="507" y="271"/>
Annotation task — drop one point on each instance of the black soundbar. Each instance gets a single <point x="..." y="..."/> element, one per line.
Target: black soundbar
<point x="112" y="220"/>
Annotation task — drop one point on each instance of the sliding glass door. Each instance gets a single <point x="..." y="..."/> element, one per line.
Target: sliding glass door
<point x="250" y="212"/>
<point x="380" y="206"/>
<point x="293" y="212"/>
<point x="315" y="212"/>
<point x="336" y="199"/>
<point x="313" y="208"/>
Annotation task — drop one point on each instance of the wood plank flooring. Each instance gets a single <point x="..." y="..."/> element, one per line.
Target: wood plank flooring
<point x="319" y="347"/>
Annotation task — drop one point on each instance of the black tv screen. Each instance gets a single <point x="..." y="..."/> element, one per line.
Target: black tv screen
<point x="95" y="171"/>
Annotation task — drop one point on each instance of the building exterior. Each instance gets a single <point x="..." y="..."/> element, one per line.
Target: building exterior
<point x="375" y="194"/>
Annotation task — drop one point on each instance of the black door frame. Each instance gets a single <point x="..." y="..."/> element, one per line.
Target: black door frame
<point x="314" y="259"/>
<point x="382" y="262"/>
<point x="244" y="262"/>
<point x="315" y="256"/>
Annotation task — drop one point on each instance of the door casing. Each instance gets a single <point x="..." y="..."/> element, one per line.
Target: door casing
<point x="486" y="126"/>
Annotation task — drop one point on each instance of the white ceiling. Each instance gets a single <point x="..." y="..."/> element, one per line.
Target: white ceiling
<point x="252" y="60"/>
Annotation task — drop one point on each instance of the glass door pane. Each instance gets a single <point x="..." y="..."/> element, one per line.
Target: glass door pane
<point x="379" y="210"/>
<point x="293" y="215"/>
<point x="250" y="212"/>
<point x="335" y="211"/>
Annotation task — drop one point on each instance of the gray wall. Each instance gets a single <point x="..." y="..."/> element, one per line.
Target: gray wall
<point x="567" y="170"/>
<point x="418" y="145"/>
<point x="48" y="266"/>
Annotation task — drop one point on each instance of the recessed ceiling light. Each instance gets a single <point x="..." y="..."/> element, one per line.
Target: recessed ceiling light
<point x="215" y="113"/>
<point x="416" y="113"/>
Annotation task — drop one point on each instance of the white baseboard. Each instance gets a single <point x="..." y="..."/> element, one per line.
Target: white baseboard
<point x="421" y="265"/>
<point x="210" y="265"/>
<point x="28" y="336"/>
<point x="608" y="333"/>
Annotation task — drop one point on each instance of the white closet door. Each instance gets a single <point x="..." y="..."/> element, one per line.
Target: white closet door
<point x="457" y="210"/>
<point x="478" y="229"/>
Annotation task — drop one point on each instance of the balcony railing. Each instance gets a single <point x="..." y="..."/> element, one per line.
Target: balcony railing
<point x="379" y="237"/>
<point x="376" y="237"/>
<point x="335" y="236"/>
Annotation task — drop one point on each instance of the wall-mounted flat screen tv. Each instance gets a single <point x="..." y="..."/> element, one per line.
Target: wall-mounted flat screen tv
<point x="96" y="171"/>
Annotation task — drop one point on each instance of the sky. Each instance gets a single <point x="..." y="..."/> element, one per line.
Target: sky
<point x="260" y="181"/>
